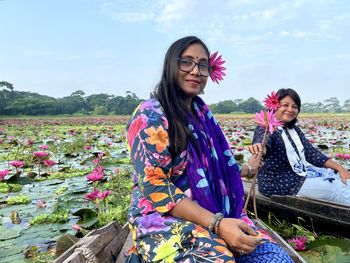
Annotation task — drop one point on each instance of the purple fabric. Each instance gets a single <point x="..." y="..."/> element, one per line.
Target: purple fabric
<point x="212" y="171"/>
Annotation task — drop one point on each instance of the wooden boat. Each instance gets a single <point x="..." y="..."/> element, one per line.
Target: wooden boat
<point x="326" y="217"/>
<point x="108" y="244"/>
<point x="103" y="245"/>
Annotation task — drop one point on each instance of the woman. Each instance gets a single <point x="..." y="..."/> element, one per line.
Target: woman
<point x="188" y="196"/>
<point x="292" y="166"/>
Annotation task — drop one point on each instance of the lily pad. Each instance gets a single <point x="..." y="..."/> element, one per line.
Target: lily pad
<point x="88" y="217"/>
<point x="7" y="233"/>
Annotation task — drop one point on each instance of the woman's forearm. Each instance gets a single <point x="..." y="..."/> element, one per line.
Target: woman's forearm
<point x="191" y="211"/>
<point x="333" y="165"/>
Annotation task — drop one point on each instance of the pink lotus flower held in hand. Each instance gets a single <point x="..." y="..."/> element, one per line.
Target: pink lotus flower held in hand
<point x="3" y="173"/>
<point x="272" y="101"/>
<point x="298" y="243"/>
<point x="17" y="163"/>
<point x="217" y="70"/>
<point x="267" y="119"/>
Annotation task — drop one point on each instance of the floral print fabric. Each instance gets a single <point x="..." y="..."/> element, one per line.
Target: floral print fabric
<point x="159" y="184"/>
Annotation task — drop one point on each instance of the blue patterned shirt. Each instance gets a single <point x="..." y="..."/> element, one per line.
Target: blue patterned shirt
<point x="277" y="177"/>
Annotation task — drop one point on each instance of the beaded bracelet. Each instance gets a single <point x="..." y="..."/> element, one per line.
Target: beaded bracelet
<point x="217" y="217"/>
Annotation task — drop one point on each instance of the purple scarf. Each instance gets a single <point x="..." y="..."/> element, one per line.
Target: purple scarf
<point x="212" y="171"/>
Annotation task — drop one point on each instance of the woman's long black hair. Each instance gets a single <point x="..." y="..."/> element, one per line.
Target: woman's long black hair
<point x="172" y="98"/>
<point x="281" y="93"/>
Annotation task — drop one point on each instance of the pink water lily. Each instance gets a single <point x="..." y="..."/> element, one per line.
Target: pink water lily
<point x="41" y="203"/>
<point x="29" y="142"/>
<point x="87" y="147"/>
<point x="298" y="243"/>
<point x="76" y="227"/>
<point x="267" y="120"/>
<point x="104" y="194"/>
<point x="93" y="195"/>
<point x="96" y="175"/>
<point x="17" y="163"/>
<point x="217" y="70"/>
<point x="272" y="101"/>
<point x="40" y="154"/>
<point x="49" y="163"/>
<point x="44" y="147"/>
<point x="3" y="174"/>
<point x="342" y="156"/>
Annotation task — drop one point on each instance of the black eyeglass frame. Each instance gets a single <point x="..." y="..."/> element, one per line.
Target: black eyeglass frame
<point x="179" y="59"/>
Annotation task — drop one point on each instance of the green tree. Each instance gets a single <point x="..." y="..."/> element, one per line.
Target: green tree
<point x="6" y="94"/>
<point x="226" y="106"/>
<point x="346" y="105"/>
<point x="70" y="105"/>
<point x="95" y="100"/>
<point x="28" y="103"/>
<point x="332" y="105"/>
<point x="251" y="105"/>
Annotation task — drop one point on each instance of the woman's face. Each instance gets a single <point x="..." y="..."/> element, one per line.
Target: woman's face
<point x="288" y="110"/>
<point x="192" y="83"/>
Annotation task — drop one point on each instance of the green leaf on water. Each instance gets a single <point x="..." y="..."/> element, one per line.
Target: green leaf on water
<point x="7" y="233"/>
<point x="88" y="217"/>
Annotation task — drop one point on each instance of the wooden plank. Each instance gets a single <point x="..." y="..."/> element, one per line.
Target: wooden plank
<point x="113" y="248"/>
<point x="325" y="216"/>
<point x="70" y="251"/>
<point x="128" y="243"/>
<point x="97" y="241"/>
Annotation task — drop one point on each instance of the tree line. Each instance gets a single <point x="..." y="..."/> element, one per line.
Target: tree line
<point x="33" y="104"/>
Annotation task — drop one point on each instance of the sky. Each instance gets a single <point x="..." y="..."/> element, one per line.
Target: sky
<point x="113" y="46"/>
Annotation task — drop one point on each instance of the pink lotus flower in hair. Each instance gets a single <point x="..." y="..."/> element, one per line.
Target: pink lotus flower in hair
<point x="267" y="119"/>
<point x="217" y="70"/>
<point x="272" y="101"/>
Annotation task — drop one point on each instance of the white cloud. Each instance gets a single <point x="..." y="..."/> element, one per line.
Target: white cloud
<point x="283" y="33"/>
<point x="133" y="11"/>
<point x="43" y="53"/>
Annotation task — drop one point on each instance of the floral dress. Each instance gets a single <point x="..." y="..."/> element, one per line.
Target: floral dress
<point x="160" y="182"/>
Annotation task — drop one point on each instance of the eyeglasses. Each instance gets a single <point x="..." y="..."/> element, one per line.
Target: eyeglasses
<point x="187" y="65"/>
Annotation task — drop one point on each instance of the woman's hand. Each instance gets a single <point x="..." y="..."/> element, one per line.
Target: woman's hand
<point x="344" y="175"/>
<point x="256" y="149"/>
<point x="239" y="236"/>
<point x="255" y="162"/>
